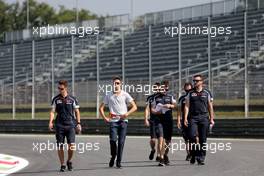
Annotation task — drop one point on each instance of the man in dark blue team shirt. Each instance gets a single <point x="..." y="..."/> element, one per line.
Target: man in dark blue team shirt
<point x="151" y="121"/>
<point x="67" y="108"/>
<point x="180" y="118"/>
<point x="167" y="120"/>
<point x="198" y="114"/>
<point x="164" y="105"/>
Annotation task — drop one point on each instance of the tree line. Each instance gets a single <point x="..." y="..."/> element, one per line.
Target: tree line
<point x="14" y="16"/>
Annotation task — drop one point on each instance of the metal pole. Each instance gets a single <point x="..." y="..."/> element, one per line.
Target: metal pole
<point x="218" y="66"/>
<point x="49" y="91"/>
<point x="180" y="61"/>
<point x="52" y="70"/>
<point x="209" y="57"/>
<point x="224" y="7"/>
<point x="73" y="66"/>
<point x="123" y="56"/>
<point x="77" y="11"/>
<point x="227" y="89"/>
<point x="27" y="83"/>
<point x="246" y="66"/>
<point x="212" y="85"/>
<point x="150" y="56"/>
<point x="145" y="20"/>
<point x="36" y="94"/>
<point x="27" y="14"/>
<point x="172" y="83"/>
<point x="246" y="4"/>
<point x="258" y="4"/>
<point x="186" y="75"/>
<point x="192" y="12"/>
<point x="88" y="98"/>
<point x="132" y="14"/>
<point x="211" y="8"/>
<point x="97" y="77"/>
<point x="14" y="82"/>
<point x="33" y="79"/>
<point x="2" y="91"/>
<point x="235" y="4"/>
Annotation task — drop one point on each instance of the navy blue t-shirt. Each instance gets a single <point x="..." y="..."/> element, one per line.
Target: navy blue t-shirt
<point x="64" y="107"/>
<point x="181" y="104"/>
<point x="165" y="99"/>
<point x="199" y="102"/>
<point x="150" y="100"/>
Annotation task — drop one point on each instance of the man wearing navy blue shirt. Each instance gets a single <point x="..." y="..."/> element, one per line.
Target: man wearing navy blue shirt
<point x="164" y="105"/>
<point x="67" y="121"/>
<point x="180" y="118"/>
<point x="198" y="113"/>
<point x="169" y="103"/>
<point x="152" y="121"/>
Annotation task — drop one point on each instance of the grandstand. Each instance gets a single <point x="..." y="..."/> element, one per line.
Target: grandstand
<point x="227" y="57"/>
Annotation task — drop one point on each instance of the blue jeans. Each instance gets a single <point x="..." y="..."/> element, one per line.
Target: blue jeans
<point x="118" y="132"/>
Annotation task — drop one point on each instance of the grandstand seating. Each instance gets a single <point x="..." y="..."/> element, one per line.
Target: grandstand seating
<point x="224" y="49"/>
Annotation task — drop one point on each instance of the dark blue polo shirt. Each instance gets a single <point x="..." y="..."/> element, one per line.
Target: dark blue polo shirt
<point x="165" y="99"/>
<point x="64" y="107"/>
<point x="199" y="103"/>
<point x="181" y="104"/>
<point x="149" y="102"/>
<point x="168" y="99"/>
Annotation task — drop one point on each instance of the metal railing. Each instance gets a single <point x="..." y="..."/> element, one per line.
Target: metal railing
<point x="204" y="10"/>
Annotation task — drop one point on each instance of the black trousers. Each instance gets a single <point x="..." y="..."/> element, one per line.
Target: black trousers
<point x="198" y="126"/>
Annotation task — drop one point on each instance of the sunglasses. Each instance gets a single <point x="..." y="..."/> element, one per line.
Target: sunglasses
<point x="197" y="80"/>
<point x="60" y="88"/>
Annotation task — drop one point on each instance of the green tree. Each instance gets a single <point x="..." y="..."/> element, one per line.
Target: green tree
<point x="86" y="15"/>
<point x="4" y="19"/>
<point x="65" y="15"/>
<point x="14" y="16"/>
<point x="41" y="14"/>
<point x="69" y="15"/>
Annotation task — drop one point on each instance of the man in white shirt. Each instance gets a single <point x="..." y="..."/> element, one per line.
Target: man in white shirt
<point x="117" y="102"/>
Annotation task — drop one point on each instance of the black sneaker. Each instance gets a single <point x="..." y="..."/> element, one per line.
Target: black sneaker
<point x="161" y="163"/>
<point x="166" y="160"/>
<point x="192" y="160"/>
<point x="63" y="168"/>
<point x="112" y="162"/>
<point x="188" y="157"/>
<point x="151" y="155"/>
<point x="157" y="158"/>
<point x="69" y="165"/>
<point x="200" y="162"/>
<point x="118" y="165"/>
